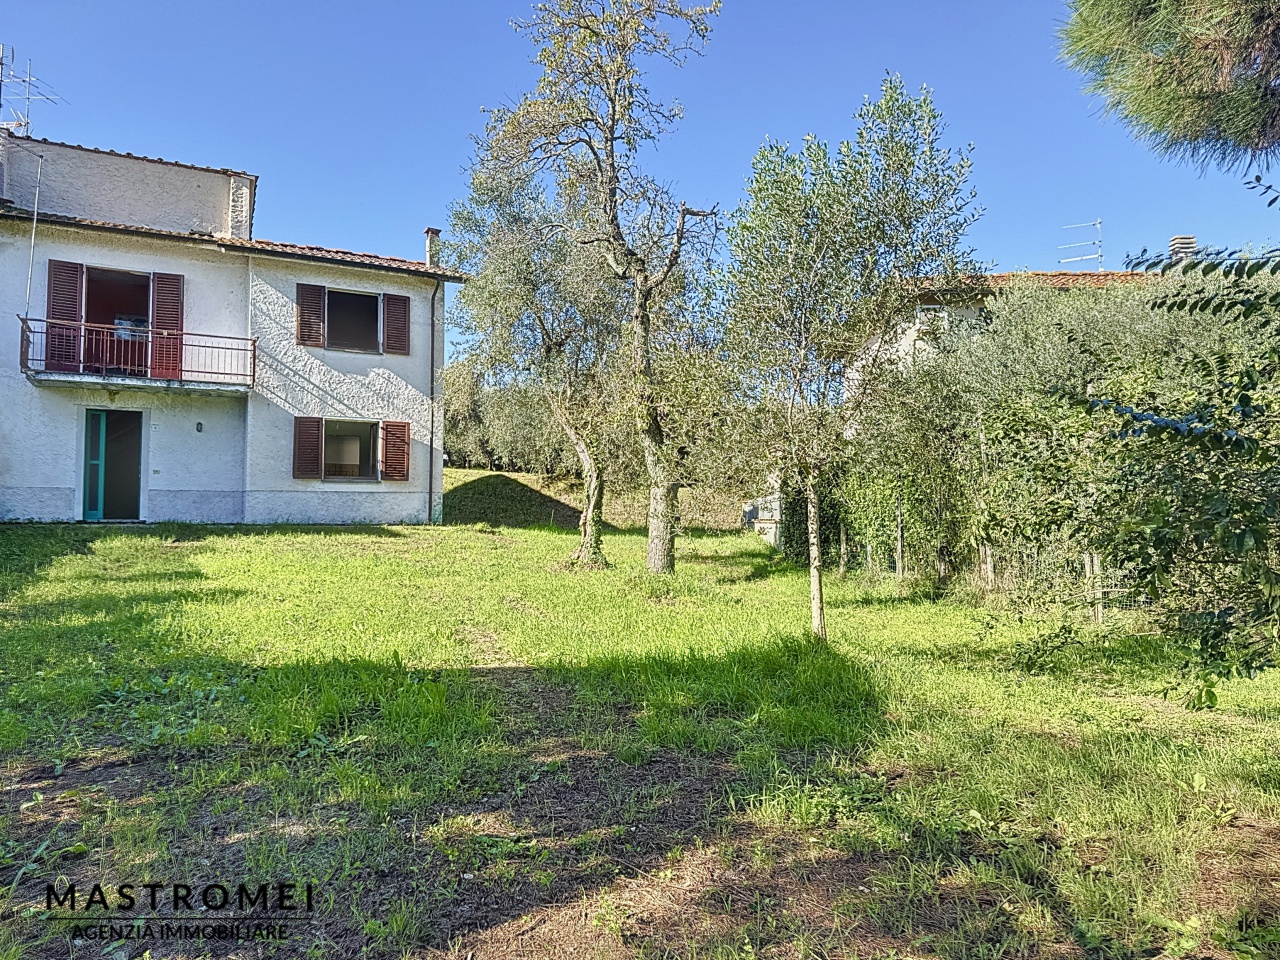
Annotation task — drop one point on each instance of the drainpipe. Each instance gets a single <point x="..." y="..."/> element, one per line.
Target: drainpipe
<point x="248" y="402"/>
<point x="431" y="393"/>
<point x="432" y="254"/>
<point x="31" y="253"/>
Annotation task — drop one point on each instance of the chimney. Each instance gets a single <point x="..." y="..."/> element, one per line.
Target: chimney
<point x="433" y="246"/>
<point x="1182" y="248"/>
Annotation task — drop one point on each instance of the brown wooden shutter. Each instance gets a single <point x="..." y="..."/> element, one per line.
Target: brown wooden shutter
<point x="395" y="324"/>
<point x="308" y="448"/>
<point x="311" y="315"/>
<point x="64" y="316"/>
<point x="166" y="326"/>
<point x="395" y="450"/>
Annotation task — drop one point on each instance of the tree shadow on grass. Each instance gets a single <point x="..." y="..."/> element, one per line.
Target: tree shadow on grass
<point x="498" y="500"/>
<point x="502" y="501"/>
<point x="1087" y="654"/>
<point x="27" y="550"/>
<point x="483" y="796"/>
<point x="866" y="600"/>
<point x="742" y="568"/>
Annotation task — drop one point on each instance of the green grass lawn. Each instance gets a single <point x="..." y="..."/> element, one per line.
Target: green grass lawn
<point x="469" y="747"/>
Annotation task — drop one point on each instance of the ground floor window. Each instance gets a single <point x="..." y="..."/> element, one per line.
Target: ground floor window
<point x="350" y="450"/>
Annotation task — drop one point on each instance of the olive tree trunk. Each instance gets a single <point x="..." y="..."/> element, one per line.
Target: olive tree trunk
<point x="590" y="550"/>
<point x="664" y="503"/>
<point x="816" y="606"/>
<point x="987" y="567"/>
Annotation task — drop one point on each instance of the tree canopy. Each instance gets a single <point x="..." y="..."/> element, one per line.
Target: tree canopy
<point x="585" y="126"/>
<point x="830" y="255"/>
<point x="1197" y="79"/>
<point x="541" y="315"/>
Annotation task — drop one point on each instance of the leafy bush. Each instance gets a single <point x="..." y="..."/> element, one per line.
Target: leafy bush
<point x="793" y="529"/>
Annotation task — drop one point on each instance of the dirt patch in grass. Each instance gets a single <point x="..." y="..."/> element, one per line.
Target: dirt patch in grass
<point x="554" y="841"/>
<point x="743" y="894"/>
<point x="1240" y="874"/>
<point x="44" y="808"/>
<point x="41" y="798"/>
<point x="566" y="829"/>
<point x="594" y="856"/>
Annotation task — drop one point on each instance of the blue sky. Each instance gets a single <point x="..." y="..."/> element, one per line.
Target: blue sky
<point x="357" y="116"/>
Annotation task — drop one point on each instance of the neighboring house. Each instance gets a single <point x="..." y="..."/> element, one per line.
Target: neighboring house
<point x="763" y="515"/>
<point x="165" y="365"/>
<point x="933" y="313"/>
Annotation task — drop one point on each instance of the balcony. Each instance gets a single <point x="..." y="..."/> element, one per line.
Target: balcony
<point x="57" y="353"/>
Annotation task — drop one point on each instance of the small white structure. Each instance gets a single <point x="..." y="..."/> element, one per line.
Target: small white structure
<point x="763" y="515"/>
<point x="164" y="365"/>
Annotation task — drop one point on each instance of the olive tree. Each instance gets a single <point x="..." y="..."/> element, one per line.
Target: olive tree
<point x="587" y="124"/>
<point x="830" y="254"/>
<point x="542" y="316"/>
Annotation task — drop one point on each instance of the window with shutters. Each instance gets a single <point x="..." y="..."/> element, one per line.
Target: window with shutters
<point x="352" y="320"/>
<point x="350" y="450"/>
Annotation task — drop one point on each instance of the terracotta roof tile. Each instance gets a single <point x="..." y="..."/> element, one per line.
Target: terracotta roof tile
<point x="343" y="256"/>
<point x="263" y="247"/>
<point x="1067" y="279"/>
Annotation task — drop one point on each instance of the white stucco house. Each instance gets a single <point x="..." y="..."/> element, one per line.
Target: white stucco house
<point x="160" y="363"/>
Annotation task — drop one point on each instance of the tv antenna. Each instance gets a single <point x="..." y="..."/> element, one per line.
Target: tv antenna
<point x="1096" y="244"/>
<point x="18" y="91"/>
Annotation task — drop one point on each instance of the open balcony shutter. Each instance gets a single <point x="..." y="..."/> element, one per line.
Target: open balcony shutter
<point x="395" y="324"/>
<point x="311" y="315"/>
<point x="395" y="450"/>
<point x="308" y="448"/>
<point x="64" y="316"/>
<point x="166" y="326"/>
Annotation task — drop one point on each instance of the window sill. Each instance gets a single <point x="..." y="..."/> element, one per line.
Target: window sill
<point x="367" y="353"/>
<point x="351" y="479"/>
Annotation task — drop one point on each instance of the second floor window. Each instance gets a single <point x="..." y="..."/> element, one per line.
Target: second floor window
<point x="351" y="321"/>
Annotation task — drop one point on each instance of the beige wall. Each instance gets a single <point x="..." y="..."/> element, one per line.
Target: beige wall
<point x="97" y="186"/>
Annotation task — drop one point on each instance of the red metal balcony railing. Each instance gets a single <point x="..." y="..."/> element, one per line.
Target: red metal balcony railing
<point x="54" y="346"/>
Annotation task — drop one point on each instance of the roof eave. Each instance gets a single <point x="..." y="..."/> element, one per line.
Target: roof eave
<point x="248" y="249"/>
<point x="237" y="246"/>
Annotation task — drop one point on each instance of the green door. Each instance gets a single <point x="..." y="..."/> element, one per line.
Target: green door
<point x="95" y="445"/>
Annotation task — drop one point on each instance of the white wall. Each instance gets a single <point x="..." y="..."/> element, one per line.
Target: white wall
<point x="216" y="298"/>
<point x="187" y="475"/>
<point x="309" y="381"/>
<point x="239" y="466"/>
<point x="98" y="186"/>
